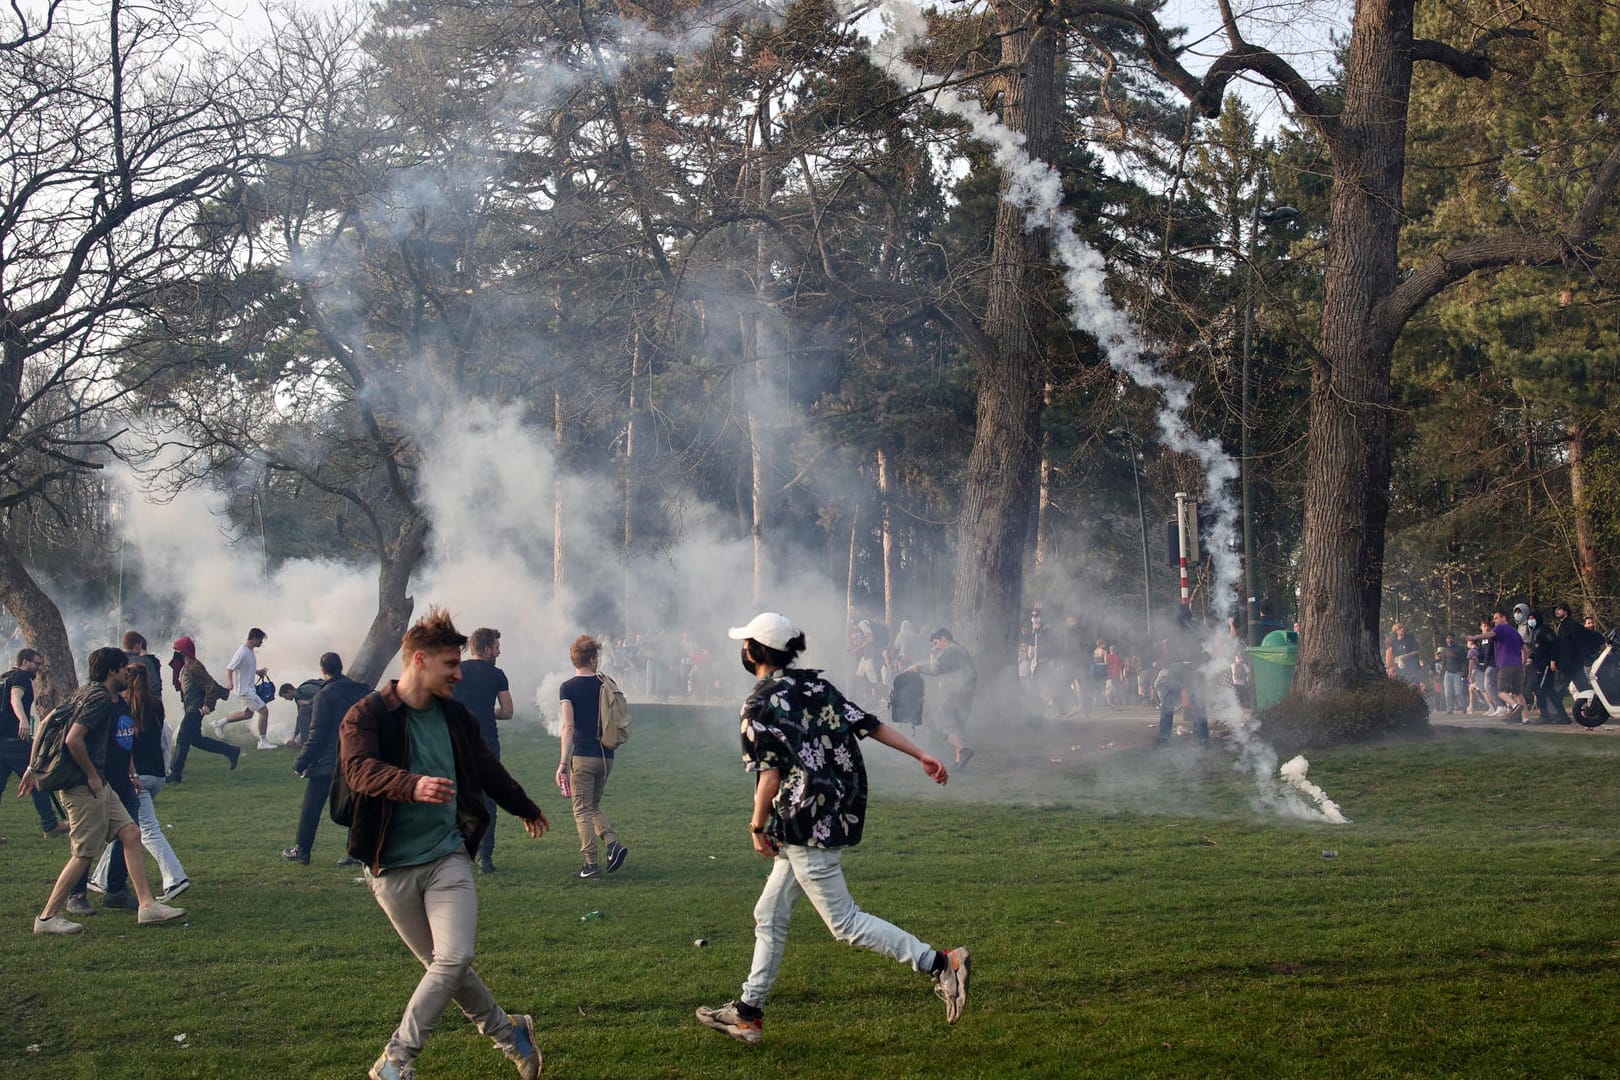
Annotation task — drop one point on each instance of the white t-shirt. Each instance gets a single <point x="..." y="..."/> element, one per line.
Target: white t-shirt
<point x="244" y="665"/>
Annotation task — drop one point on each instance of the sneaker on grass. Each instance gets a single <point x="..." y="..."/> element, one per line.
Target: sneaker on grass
<point x="56" y="924"/>
<point x="615" y="856"/>
<point x="158" y="912"/>
<point x="296" y="854"/>
<point x="590" y="870"/>
<point x="386" y="1068"/>
<point x="120" y="899"/>
<point x="175" y="890"/>
<point x="524" y="1051"/>
<point x="78" y="905"/>
<point x="951" y="984"/>
<point x="729" y="1020"/>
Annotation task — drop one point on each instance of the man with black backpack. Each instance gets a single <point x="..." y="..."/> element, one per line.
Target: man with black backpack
<point x="317" y="760"/>
<point x="95" y="814"/>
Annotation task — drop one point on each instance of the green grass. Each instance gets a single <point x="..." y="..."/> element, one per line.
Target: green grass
<point x="1130" y="916"/>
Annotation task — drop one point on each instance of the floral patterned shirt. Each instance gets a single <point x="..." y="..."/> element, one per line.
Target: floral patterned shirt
<point x="799" y="723"/>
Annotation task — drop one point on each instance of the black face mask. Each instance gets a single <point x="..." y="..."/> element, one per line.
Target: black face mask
<point x="747" y="661"/>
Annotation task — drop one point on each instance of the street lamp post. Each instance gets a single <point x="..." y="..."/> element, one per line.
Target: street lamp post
<point x="1251" y="577"/>
<point x="1133" y="446"/>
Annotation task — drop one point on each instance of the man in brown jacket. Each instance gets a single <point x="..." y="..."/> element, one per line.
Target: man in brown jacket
<point x="419" y="770"/>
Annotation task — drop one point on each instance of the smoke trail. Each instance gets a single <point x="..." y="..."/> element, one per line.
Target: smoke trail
<point x="1036" y="187"/>
<point x="1294" y="773"/>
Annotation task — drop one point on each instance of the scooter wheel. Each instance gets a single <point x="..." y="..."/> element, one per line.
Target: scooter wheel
<point x="1590" y="714"/>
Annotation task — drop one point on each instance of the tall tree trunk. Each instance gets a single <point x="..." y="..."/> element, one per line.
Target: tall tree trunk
<point x="759" y="459"/>
<point x="1043" y="502"/>
<point x="630" y="481"/>
<point x="886" y="528"/>
<point x="997" y="497"/>
<point x="1348" y="449"/>
<point x="557" y="492"/>
<point x="1586" y="553"/>
<point x="394" y="602"/>
<point x="42" y="628"/>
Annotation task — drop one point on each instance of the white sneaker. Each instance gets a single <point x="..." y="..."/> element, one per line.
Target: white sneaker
<point x="158" y="912"/>
<point x="175" y="890"/>
<point x="266" y="744"/>
<point x="57" y="925"/>
<point x="219" y="727"/>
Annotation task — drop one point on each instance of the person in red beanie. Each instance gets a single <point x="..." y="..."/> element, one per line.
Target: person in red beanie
<point x="199" y="693"/>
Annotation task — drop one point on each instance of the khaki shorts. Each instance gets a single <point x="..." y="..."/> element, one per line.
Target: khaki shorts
<point x="94" y="821"/>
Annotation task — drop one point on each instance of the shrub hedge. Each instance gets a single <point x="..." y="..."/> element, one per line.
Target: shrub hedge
<point x="1379" y="709"/>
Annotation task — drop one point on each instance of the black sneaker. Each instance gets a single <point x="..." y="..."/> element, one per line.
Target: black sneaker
<point x="120" y="899"/>
<point x="296" y="854"/>
<point x="486" y="866"/>
<point x="589" y="870"/>
<point x="350" y="860"/>
<point x="236" y="755"/>
<point x="615" y="856"/>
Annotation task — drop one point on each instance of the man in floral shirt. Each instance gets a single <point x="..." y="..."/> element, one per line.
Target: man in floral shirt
<point x="801" y="739"/>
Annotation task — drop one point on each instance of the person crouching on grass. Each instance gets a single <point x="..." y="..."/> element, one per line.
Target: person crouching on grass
<point x="801" y="737"/>
<point x="419" y="769"/>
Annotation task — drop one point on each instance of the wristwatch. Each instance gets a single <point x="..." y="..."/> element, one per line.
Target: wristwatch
<point x="756" y="828"/>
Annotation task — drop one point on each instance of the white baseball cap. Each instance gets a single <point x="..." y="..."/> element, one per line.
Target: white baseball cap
<point x="771" y="629"/>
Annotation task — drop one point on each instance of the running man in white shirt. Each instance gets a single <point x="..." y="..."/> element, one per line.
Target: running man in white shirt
<point x="240" y="674"/>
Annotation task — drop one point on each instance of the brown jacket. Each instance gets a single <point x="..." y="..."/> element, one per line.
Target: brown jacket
<point x="373" y="748"/>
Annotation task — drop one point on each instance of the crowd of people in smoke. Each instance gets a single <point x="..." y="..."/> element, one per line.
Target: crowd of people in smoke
<point x="1518" y="665"/>
<point x="413" y="770"/>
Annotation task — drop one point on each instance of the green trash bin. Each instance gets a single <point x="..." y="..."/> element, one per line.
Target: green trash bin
<point x="1273" y="664"/>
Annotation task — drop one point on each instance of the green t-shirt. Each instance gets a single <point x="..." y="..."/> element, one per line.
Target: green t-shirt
<point x="423" y="832"/>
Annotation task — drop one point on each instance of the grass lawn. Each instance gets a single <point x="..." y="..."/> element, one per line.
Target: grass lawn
<point x="1129" y="913"/>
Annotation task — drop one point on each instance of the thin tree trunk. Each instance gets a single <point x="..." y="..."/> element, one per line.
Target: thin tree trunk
<point x="1349" y="445"/>
<point x="886" y="527"/>
<point x="394" y="603"/>
<point x="993" y="527"/>
<point x="758" y="457"/>
<point x="557" y="493"/>
<point x="1043" y="503"/>
<point x="630" y="480"/>
<point x="42" y="628"/>
<point x="1586" y="553"/>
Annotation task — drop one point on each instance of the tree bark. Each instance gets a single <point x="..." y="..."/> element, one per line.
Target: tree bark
<point x="630" y="482"/>
<point x="557" y="492"/>
<point x="997" y="496"/>
<point x="1348" y="449"/>
<point x="394" y="603"/>
<point x="886" y="528"/>
<point x="42" y="628"/>
<point x="1586" y="553"/>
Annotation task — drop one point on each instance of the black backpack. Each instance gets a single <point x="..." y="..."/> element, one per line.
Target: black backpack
<point x="53" y="766"/>
<point x="906" y="699"/>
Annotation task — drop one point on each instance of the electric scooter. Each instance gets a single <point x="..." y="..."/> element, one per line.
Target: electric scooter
<point x="1600" y="701"/>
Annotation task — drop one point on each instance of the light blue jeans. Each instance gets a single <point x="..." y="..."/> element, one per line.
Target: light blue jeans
<point x="1456" y="691"/>
<point x="819" y="874"/>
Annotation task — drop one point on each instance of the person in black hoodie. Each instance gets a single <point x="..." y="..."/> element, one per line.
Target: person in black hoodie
<point x="1574" y="646"/>
<point x="317" y="759"/>
<point x="1543" y="676"/>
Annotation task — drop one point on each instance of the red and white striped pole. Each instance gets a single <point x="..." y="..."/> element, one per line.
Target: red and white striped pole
<point x="1181" y="541"/>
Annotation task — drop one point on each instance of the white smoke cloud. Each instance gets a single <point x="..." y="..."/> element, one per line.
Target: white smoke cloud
<point x="1036" y="186"/>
